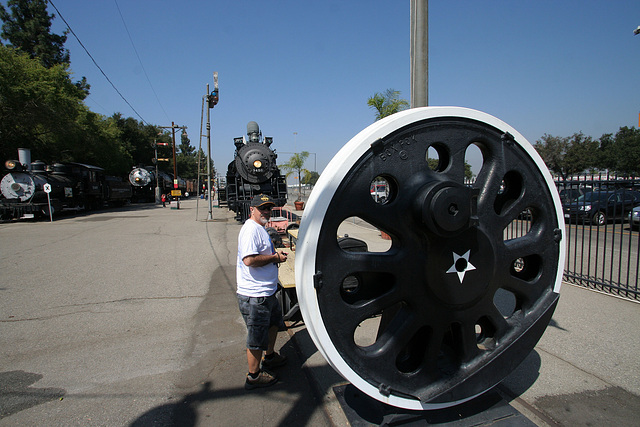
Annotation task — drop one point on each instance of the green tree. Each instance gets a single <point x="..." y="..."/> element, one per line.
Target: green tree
<point x="387" y="103"/>
<point x="186" y="159"/>
<point x="296" y="165"/>
<point x="311" y="178"/>
<point x="434" y="163"/>
<point x="552" y="149"/>
<point x="581" y="154"/>
<point x="39" y="106"/>
<point x="567" y="155"/>
<point x="98" y="141"/>
<point x="203" y="166"/>
<point x="137" y="138"/>
<point x="27" y="27"/>
<point x="468" y="173"/>
<point x="622" y="152"/>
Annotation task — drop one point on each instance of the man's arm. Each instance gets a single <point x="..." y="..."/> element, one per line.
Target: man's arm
<point x="258" y="260"/>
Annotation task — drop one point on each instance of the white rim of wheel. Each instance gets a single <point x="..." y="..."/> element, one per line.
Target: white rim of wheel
<point x="318" y="204"/>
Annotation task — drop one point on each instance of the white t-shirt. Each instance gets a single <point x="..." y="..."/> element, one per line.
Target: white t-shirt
<point x="255" y="281"/>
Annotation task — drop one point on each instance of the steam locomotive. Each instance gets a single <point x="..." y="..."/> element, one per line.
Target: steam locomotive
<point x="253" y="171"/>
<point x="143" y="182"/>
<point x="71" y="186"/>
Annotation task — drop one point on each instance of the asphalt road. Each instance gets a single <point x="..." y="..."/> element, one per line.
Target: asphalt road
<point x="129" y="317"/>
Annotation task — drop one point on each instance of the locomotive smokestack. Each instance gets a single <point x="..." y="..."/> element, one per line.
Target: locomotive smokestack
<point x="24" y="156"/>
<point x="253" y="131"/>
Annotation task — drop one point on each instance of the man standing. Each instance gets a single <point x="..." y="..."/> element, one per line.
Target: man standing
<point x="257" y="279"/>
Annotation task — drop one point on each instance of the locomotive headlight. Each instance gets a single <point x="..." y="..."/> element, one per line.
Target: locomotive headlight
<point x="257" y="164"/>
<point x="12" y="165"/>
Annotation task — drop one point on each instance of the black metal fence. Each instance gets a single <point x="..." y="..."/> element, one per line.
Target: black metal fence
<point x="603" y="244"/>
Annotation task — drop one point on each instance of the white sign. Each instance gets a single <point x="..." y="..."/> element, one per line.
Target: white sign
<point x="47" y="188"/>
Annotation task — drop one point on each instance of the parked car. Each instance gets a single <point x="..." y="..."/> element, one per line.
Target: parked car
<point x="380" y="192"/>
<point x="571" y="193"/>
<point x="598" y="207"/>
<point x="634" y="217"/>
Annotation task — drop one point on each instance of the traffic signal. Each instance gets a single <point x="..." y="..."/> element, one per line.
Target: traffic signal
<point x="213" y="98"/>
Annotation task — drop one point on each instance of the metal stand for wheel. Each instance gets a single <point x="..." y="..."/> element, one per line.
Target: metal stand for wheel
<point x="488" y="409"/>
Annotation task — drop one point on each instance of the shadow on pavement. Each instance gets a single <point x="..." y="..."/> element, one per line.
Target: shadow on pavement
<point x="233" y="405"/>
<point x="17" y="395"/>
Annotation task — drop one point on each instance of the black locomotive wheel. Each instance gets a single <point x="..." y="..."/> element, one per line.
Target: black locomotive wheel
<point x="459" y="304"/>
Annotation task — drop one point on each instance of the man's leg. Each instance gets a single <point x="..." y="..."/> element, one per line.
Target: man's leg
<point x="273" y="334"/>
<point x="253" y="359"/>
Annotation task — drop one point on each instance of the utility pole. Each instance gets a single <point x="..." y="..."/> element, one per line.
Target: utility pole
<point x="156" y="160"/>
<point x="419" y="53"/>
<point x="635" y="33"/>
<point x="212" y="100"/>
<point x="173" y="128"/>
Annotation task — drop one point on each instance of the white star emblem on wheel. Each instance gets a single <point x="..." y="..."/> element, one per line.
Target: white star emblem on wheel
<point x="461" y="267"/>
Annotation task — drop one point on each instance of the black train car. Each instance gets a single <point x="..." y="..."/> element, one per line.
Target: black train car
<point x="253" y="171"/>
<point x="72" y="186"/>
<point x="143" y="182"/>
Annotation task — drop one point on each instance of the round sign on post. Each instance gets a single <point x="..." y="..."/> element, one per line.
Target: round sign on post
<point x="47" y="189"/>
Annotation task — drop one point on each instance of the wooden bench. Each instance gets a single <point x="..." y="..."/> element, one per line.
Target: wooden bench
<point x="286" y="271"/>
<point x="293" y="238"/>
<point x="287" y="279"/>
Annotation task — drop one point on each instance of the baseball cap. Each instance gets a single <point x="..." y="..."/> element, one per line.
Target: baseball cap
<point x="262" y="200"/>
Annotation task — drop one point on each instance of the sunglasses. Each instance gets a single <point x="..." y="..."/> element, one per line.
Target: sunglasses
<point x="264" y="209"/>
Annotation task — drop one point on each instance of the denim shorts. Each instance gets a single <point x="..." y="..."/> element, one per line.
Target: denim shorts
<point x="259" y="314"/>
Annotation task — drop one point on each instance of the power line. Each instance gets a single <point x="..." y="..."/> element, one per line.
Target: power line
<point x="140" y="61"/>
<point x="96" y="64"/>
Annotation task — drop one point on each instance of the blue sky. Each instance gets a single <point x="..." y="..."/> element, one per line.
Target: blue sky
<point x="555" y="67"/>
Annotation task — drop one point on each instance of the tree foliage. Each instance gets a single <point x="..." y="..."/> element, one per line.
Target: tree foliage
<point x="311" y="178"/>
<point x="203" y="165"/>
<point x="187" y="159"/>
<point x="40" y="107"/>
<point x="387" y="103"/>
<point x="621" y="153"/>
<point x="43" y="110"/>
<point x="434" y="163"/>
<point x="27" y="27"/>
<point x="296" y="164"/>
<point x="578" y="153"/>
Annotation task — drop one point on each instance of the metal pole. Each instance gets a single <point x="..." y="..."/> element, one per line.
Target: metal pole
<point x="210" y="213"/>
<point x="199" y="157"/>
<point x="173" y="139"/>
<point x="419" y="53"/>
<point x="155" y="144"/>
<point x="175" y="165"/>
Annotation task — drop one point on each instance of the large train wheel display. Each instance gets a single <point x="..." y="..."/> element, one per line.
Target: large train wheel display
<point x="458" y="303"/>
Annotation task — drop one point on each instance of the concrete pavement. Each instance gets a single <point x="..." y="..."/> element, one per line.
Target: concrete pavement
<point x="128" y="317"/>
<point x="586" y="368"/>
